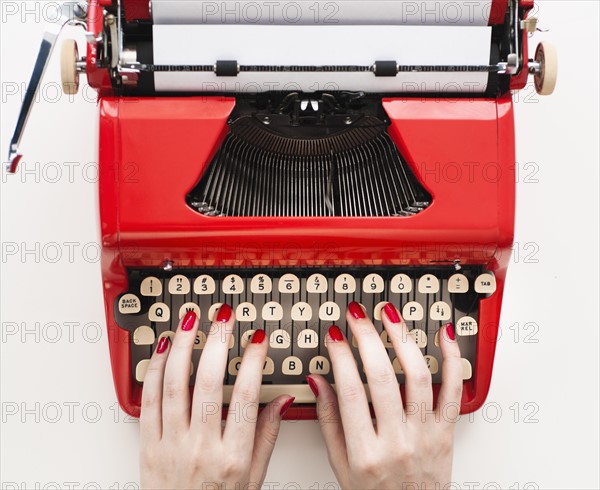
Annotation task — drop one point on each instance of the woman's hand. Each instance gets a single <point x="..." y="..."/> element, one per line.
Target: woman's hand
<point x="183" y="444"/>
<point x="409" y="448"/>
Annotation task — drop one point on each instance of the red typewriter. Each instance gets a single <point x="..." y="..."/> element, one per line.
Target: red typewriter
<point x="289" y="160"/>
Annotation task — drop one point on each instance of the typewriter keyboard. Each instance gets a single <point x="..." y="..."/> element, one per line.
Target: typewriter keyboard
<point x="296" y="307"/>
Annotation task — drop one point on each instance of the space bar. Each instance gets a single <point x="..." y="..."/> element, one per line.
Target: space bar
<point x="302" y="392"/>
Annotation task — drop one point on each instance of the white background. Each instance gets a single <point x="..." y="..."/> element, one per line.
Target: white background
<point x="540" y="424"/>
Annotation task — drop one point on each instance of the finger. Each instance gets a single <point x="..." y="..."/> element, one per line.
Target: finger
<point x="208" y="390"/>
<point x="267" y="430"/>
<point x="383" y="384"/>
<point x="243" y="407"/>
<point x="151" y="413"/>
<point x="352" y="399"/>
<point x="328" y="411"/>
<point x="418" y="389"/>
<point x="176" y="389"/>
<point x="452" y="384"/>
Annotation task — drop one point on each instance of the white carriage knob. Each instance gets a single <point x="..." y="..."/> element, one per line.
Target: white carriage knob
<point x="545" y="76"/>
<point x="69" y="75"/>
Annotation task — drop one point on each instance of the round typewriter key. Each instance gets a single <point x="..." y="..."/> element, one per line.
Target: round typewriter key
<point x="373" y="283"/>
<point x="279" y="339"/>
<point x="329" y="311"/>
<point x="151" y="286"/>
<point x="204" y="285"/>
<point x="345" y="284"/>
<point x="179" y="284"/>
<point x="319" y="365"/>
<point x="272" y="312"/>
<point x="291" y="366"/>
<point x="412" y="312"/>
<point x="401" y="283"/>
<point x="440" y="311"/>
<point x="289" y="283"/>
<point x="317" y="283"/>
<point x="245" y="312"/>
<point x="140" y="370"/>
<point x="485" y="283"/>
<point x="143" y="336"/>
<point x="159" y="312"/>
<point x="233" y="284"/>
<point x="261" y="284"/>
<point x="301" y="312"/>
<point x="429" y="284"/>
<point x="466" y="326"/>
<point x="308" y="339"/>
<point x="458" y="284"/>
<point x="129" y="304"/>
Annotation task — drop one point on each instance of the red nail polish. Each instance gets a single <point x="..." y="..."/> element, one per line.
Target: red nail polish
<point x="163" y="343"/>
<point x="286" y="406"/>
<point x="356" y="310"/>
<point x="188" y="320"/>
<point x="224" y="314"/>
<point x="258" y="337"/>
<point x="335" y="333"/>
<point x="391" y="313"/>
<point x="313" y="386"/>
<point x="450" y="331"/>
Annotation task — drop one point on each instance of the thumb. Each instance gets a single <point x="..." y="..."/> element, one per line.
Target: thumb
<point x="267" y="430"/>
<point x="330" y="420"/>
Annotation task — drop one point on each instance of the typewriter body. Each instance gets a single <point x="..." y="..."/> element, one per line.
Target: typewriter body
<point x="289" y="188"/>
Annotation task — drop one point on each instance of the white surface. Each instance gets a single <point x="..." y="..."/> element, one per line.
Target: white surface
<point x="428" y="12"/>
<point x="321" y="45"/>
<point x="552" y="283"/>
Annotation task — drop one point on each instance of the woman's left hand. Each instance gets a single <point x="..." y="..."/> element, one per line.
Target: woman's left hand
<point x="183" y="444"/>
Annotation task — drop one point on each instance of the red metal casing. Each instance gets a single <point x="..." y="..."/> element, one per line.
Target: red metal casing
<point x="154" y="150"/>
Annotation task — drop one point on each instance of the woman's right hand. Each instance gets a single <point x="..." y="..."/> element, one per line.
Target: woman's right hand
<point x="405" y="448"/>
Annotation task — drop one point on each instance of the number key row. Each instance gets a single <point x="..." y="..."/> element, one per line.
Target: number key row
<point x="316" y="284"/>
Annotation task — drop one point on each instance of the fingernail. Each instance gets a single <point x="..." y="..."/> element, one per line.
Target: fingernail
<point x="356" y="310"/>
<point x="258" y="337"/>
<point x="391" y="313"/>
<point x="224" y="314"/>
<point x="188" y="320"/>
<point x="335" y="333"/>
<point x="163" y="343"/>
<point x="286" y="406"/>
<point x="450" y="331"/>
<point x="313" y="386"/>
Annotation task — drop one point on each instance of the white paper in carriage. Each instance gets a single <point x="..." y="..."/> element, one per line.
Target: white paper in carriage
<point x="365" y="32"/>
